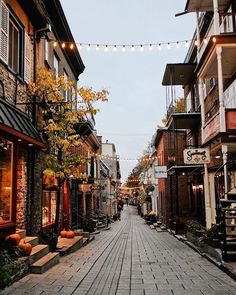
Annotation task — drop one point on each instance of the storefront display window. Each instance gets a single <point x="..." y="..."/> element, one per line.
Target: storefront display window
<point x="6" y="154"/>
<point x="49" y="207"/>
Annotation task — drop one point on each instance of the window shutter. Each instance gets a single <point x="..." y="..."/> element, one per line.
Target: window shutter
<point x="28" y="51"/>
<point x="4" y="13"/>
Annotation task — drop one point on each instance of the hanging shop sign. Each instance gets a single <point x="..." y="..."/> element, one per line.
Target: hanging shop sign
<point x="196" y="156"/>
<point x="160" y="171"/>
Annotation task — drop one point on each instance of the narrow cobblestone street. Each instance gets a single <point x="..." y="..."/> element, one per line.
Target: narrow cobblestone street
<point x="130" y="259"/>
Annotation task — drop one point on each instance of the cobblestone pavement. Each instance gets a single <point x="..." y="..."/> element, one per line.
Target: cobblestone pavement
<point x="130" y="259"/>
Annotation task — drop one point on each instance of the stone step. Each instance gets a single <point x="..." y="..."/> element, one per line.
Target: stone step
<point x="66" y="246"/>
<point x="38" y="252"/>
<point x="21" y="232"/>
<point x="88" y="240"/>
<point x="82" y="233"/>
<point x="44" y="263"/>
<point x="34" y="241"/>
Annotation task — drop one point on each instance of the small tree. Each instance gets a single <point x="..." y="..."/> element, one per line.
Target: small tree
<point x="58" y="117"/>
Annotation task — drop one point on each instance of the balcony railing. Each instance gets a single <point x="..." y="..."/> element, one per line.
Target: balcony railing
<point x="227" y="26"/>
<point x="230" y="96"/>
<point x="228" y="23"/>
<point x="181" y="105"/>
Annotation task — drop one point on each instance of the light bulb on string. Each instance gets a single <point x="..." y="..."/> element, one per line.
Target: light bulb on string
<point x="55" y="44"/>
<point x="132" y="48"/>
<point x="205" y="40"/>
<point x="88" y="47"/>
<point x="80" y="46"/>
<point x="97" y="47"/>
<point x="106" y="48"/>
<point x="71" y="46"/>
<point x="168" y="46"/>
<point x="123" y="48"/>
<point x="177" y="45"/>
<point x="141" y="48"/>
<point x="159" y="46"/>
<point x="63" y="45"/>
<point x="114" y="48"/>
<point x="186" y="43"/>
<point x="150" y="47"/>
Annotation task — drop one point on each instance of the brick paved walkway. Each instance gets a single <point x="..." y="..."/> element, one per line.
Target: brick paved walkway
<point x="130" y="259"/>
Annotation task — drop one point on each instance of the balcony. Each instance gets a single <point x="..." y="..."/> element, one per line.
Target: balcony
<point x="181" y="112"/>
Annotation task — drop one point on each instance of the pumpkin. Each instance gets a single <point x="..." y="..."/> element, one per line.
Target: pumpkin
<point x="70" y="234"/>
<point x="14" y="239"/>
<point x="26" y="247"/>
<point x="63" y="234"/>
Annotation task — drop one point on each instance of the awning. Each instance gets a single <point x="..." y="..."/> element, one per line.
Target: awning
<point x="184" y="121"/>
<point x="179" y="74"/>
<point x="205" y="5"/>
<point x="18" y="124"/>
<point x="185" y="168"/>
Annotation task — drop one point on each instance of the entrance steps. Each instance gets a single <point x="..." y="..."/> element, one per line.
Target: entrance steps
<point x="40" y="259"/>
<point x="66" y="246"/>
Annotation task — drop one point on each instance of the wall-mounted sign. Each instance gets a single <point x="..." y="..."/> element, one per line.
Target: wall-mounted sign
<point x="160" y="171"/>
<point x="196" y="156"/>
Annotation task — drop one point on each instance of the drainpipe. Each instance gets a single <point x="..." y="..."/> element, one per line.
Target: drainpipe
<point x="198" y="35"/>
<point x="224" y="149"/>
<point x="202" y="107"/>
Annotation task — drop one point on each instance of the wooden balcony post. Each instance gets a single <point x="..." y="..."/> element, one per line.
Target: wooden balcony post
<point x="207" y="197"/>
<point x="216" y="18"/>
<point x="221" y="89"/>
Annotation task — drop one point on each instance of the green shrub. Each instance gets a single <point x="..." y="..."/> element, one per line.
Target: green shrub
<point x="11" y="267"/>
<point x="193" y="225"/>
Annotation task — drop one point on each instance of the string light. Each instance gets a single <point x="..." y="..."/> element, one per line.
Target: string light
<point x="144" y="159"/>
<point x="124" y="47"/>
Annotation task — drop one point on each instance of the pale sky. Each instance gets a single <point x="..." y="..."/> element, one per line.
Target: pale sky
<point x="137" y="100"/>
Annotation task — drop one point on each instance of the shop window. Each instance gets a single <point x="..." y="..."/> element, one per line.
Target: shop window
<point x="6" y="154"/>
<point x="49" y="207"/>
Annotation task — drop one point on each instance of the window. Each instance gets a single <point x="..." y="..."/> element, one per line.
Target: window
<point x="46" y="50"/>
<point x="212" y="83"/>
<point x="6" y="154"/>
<point x="56" y="63"/>
<point x="49" y="207"/>
<point x="14" y="47"/>
<point x="66" y="92"/>
<point x="15" y="44"/>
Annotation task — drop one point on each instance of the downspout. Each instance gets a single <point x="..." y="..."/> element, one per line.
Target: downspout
<point x="198" y="36"/>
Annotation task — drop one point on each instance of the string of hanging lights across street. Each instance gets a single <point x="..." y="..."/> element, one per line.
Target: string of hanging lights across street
<point x="126" y="47"/>
<point x="117" y="158"/>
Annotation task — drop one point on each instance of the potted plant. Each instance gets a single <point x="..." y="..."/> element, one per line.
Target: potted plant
<point x="51" y="239"/>
<point x="152" y="216"/>
<point x="195" y="228"/>
<point x="211" y="237"/>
